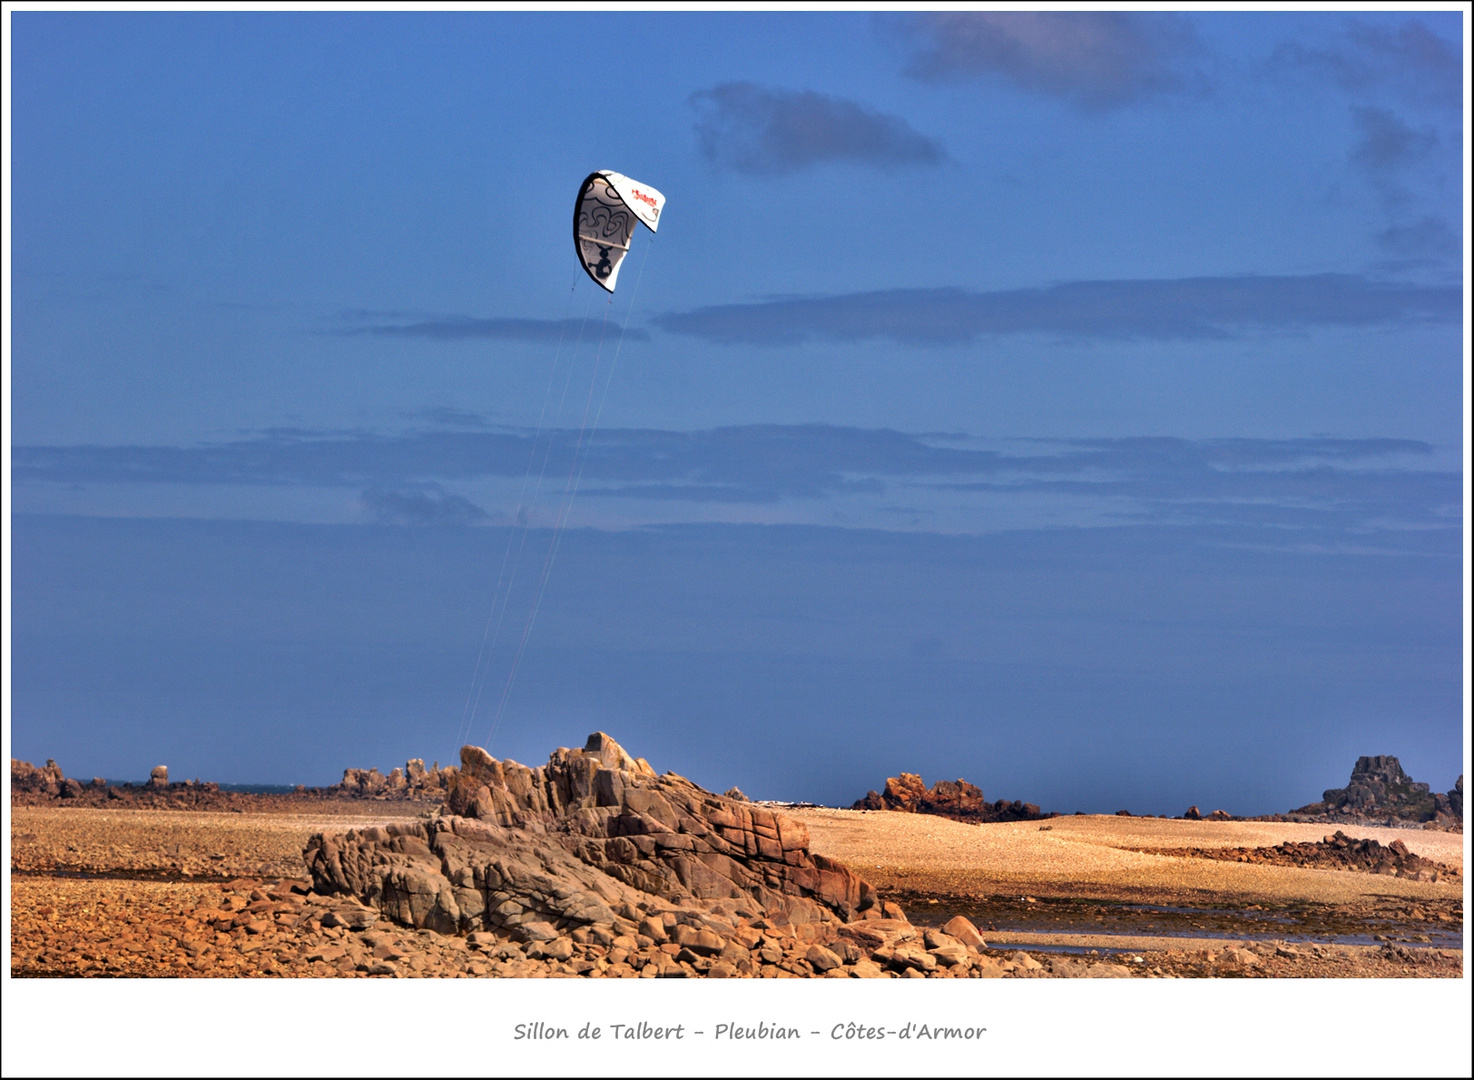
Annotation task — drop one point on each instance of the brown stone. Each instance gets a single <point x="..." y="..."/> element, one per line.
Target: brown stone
<point x="962" y="929"/>
<point x="951" y="955"/>
<point x="822" y="959"/>
<point x="910" y="955"/>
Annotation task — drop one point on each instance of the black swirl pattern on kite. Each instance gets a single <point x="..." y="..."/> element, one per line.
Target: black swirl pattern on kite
<point x="603" y="214"/>
<point x="602" y="228"/>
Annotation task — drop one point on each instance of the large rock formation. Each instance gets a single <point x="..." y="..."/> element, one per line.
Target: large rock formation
<point x="595" y="840"/>
<point x="956" y="799"/>
<point x="1379" y="792"/>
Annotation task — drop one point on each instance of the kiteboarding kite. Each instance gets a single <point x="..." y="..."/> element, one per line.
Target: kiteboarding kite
<point x="604" y="220"/>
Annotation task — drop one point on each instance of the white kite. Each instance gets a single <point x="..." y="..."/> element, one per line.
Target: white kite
<point x="604" y="220"/>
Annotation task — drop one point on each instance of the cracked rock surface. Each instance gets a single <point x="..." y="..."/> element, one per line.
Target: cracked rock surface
<point x="592" y="839"/>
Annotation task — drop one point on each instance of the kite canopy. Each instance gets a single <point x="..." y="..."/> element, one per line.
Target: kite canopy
<point x="604" y="220"/>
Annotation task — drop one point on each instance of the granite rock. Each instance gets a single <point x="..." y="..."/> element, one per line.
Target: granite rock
<point x="956" y="799"/>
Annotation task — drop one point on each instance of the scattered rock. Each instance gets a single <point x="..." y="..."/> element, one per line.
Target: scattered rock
<point x="1240" y="956"/>
<point x="1335" y="852"/>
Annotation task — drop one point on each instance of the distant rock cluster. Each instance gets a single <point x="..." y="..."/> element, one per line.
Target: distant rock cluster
<point x="414" y="781"/>
<point x="1380" y="793"/>
<point x="32" y="786"/>
<point x="955" y="799"/>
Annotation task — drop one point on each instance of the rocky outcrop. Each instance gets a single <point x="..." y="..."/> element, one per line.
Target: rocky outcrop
<point x="956" y="799"/>
<point x="1380" y="793"/>
<point x="414" y="781"/>
<point x="26" y="779"/>
<point x="592" y="838"/>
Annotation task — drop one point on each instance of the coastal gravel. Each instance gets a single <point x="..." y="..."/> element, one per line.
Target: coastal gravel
<point x="140" y="893"/>
<point x="170" y="844"/>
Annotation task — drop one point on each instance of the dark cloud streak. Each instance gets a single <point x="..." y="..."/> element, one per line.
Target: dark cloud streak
<point x="1163" y="310"/>
<point x="466" y="328"/>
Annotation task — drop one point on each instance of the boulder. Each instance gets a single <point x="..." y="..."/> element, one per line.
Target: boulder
<point x="822" y="959"/>
<point x="961" y="929"/>
<point x="1193" y="814"/>
<point x="159" y="777"/>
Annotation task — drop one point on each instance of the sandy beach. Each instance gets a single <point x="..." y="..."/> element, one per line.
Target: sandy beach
<point x="1100" y="856"/>
<point x="169" y="893"/>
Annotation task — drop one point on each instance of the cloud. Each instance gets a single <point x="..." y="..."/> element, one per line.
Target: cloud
<point x="1427" y="238"/>
<point x="1173" y="309"/>
<point x="1095" y="60"/>
<point x="1409" y="61"/>
<point x="1385" y="141"/>
<point x="466" y="328"/>
<point x="420" y="506"/>
<point x="758" y="130"/>
<point x="1342" y="485"/>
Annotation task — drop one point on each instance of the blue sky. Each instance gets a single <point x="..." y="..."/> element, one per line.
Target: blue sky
<point x="1072" y="402"/>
